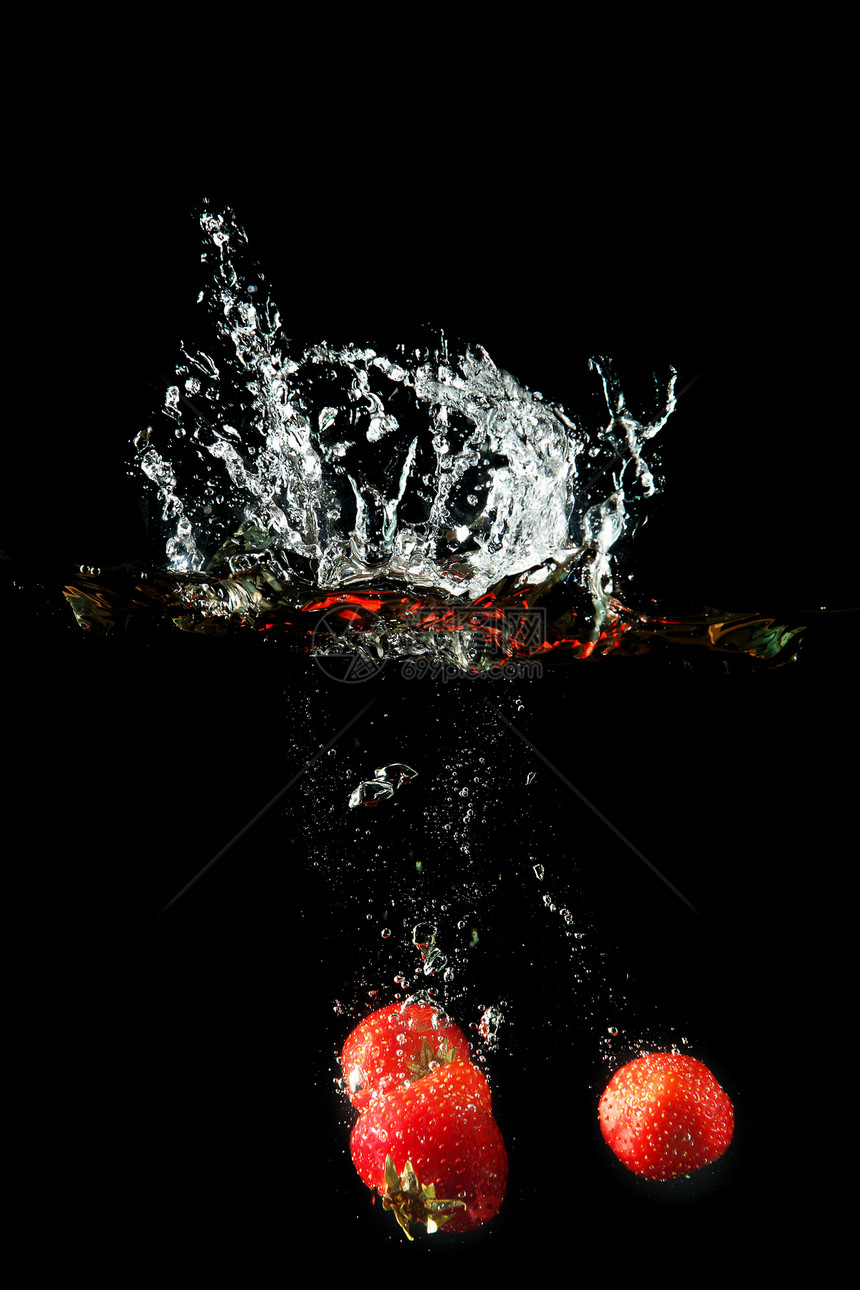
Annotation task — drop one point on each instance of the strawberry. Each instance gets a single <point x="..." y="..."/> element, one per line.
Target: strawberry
<point x="664" y="1115"/>
<point x="395" y="1046"/>
<point x="434" y="1152"/>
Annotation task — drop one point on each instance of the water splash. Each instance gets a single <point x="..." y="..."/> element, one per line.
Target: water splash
<point x="283" y="473"/>
<point x="421" y="503"/>
<point x="431" y="468"/>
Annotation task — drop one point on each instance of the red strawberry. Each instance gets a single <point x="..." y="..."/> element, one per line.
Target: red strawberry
<point x="434" y="1152"/>
<point x="664" y="1115"/>
<point x="395" y="1046"/>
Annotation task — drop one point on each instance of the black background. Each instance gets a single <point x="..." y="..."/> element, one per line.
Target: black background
<point x="219" y="1129"/>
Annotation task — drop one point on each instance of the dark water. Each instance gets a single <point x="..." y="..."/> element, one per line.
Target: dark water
<point x="157" y="749"/>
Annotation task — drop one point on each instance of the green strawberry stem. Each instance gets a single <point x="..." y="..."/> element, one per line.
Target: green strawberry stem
<point x="410" y="1202"/>
<point x="428" y="1059"/>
